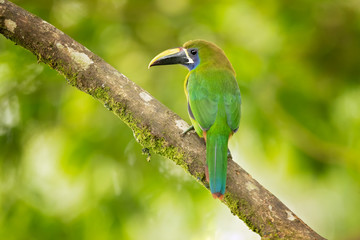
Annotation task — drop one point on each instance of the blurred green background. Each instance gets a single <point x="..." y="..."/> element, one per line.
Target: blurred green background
<point x="69" y="169"/>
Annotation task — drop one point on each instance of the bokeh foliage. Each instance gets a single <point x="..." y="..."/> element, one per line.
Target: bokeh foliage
<point x="69" y="169"/>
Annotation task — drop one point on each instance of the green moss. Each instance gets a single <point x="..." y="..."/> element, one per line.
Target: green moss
<point x="146" y="152"/>
<point x="69" y="74"/>
<point x="142" y="134"/>
<point x="273" y="236"/>
<point x="235" y="207"/>
<point x="100" y="93"/>
<point x="200" y="176"/>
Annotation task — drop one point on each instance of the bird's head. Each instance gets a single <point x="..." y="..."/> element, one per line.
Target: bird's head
<point x="188" y="57"/>
<point x="192" y="54"/>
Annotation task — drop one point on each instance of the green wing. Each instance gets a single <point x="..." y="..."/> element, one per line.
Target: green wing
<point x="232" y="101"/>
<point x="206" y="89"/>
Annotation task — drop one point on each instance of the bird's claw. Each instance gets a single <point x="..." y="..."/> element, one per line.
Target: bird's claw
<point x="187" y="130"/>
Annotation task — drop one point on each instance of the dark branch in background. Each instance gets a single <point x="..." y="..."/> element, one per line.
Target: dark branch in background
<point x="155" y="127"/>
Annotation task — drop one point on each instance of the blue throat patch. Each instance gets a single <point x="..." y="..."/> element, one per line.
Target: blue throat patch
<point x="192" y="66"/>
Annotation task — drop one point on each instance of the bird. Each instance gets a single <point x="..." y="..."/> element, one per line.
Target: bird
<point x="213" y="102"/>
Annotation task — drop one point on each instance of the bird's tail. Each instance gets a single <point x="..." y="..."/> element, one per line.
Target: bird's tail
<point x="216" y="160"/>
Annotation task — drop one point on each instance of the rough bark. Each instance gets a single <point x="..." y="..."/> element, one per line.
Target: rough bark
<point x="155" y="127"/>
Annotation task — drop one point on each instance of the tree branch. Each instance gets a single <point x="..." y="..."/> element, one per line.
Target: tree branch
<point x="155" y="127"/>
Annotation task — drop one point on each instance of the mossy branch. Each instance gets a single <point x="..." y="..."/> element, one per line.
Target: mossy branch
<point x="155" y="127"/>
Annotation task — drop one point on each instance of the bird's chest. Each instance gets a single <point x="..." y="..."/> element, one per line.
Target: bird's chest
<point x="199" y="86"/>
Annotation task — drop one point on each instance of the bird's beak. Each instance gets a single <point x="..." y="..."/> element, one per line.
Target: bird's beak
<point x="171" y="56"/>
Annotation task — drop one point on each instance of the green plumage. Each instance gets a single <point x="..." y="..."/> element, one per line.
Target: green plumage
<point x="213" y="102"/>
<point x="214" y="99"/>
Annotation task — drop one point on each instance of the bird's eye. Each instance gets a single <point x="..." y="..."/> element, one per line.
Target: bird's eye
<point x="193" y="51"/>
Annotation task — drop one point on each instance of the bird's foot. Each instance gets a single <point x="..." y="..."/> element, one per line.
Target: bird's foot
<point x="187" y="130"/>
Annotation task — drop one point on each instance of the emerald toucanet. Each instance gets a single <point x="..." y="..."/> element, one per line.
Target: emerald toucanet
<point x="214" y="102"/>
